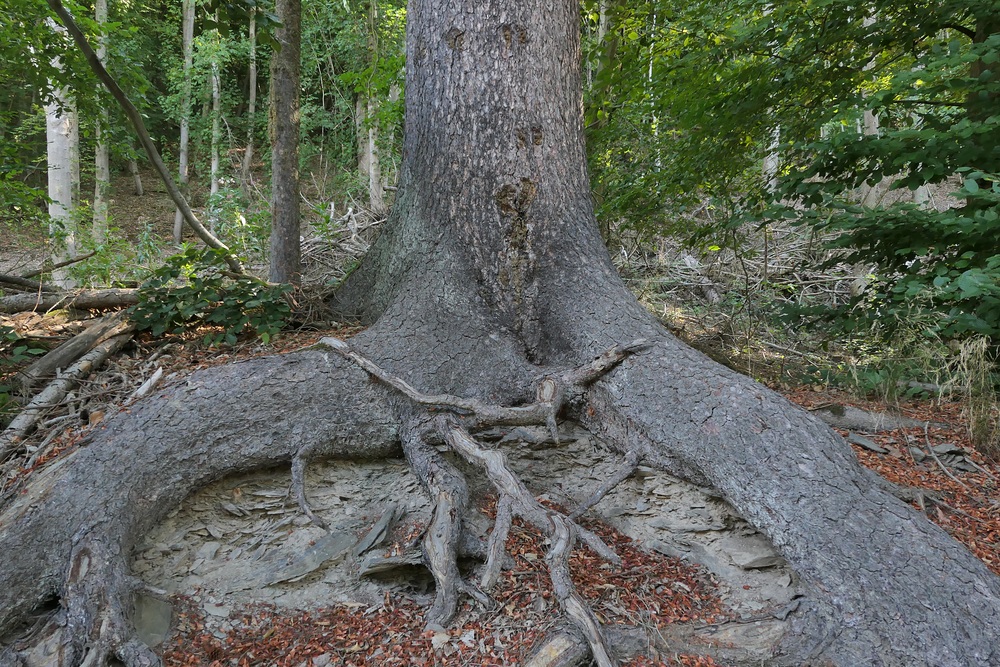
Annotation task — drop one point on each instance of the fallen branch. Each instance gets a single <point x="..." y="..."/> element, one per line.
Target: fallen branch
<point x="71" y="350"/>
<point x="84" y="300"/>
<point x="58" y="265"/>
<point x="854" y="419"/>
<point x="23" y="423"/>
<point x="24" y="283"/>
<point x="944" y="468"/>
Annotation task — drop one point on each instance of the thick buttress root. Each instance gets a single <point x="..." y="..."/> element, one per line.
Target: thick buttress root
<point x="453" y="420"/>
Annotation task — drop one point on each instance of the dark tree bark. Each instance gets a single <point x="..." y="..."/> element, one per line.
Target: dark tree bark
<point x="490" y="274"/>
<point x="286" y="264"/>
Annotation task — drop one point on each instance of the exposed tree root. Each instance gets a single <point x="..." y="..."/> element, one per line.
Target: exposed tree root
<point x="93" y="627"/>
<point x="450" y="495"/>
<point x="624" y="471"/>
<point x="448" y="489"/>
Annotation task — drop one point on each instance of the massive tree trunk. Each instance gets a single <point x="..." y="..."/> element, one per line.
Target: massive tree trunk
<point x="491" y="275"/>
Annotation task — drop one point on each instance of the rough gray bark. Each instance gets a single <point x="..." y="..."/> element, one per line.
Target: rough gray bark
<point x="489" y="281"/>
<point x="284" y="124"/>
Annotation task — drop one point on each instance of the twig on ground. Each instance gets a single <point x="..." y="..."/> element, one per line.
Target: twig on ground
<point x="623" y="472"/>
<point x="944" y="468"/>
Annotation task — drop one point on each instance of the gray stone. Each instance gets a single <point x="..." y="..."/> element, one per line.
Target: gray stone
<point x="151" y="619"/>
<point x="865" y="443"/>
<point x="217" y="610"/>
<point x="751" y="552"/>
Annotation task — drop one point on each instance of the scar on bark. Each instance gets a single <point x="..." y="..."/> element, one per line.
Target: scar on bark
<point x="453" y="421"/>
<point x="455" y="39"/>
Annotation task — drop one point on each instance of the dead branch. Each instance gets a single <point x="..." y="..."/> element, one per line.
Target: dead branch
<point x="54" y="393"/>
<point x="854" y="419"/>
<point x="944" y="468"/>
<point x="24" y="283"/>
<point x="58" y="265"/>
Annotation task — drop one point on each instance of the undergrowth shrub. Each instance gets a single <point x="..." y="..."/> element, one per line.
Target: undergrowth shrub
<point x="195" y="288"/>
<point x="14" y="352"/>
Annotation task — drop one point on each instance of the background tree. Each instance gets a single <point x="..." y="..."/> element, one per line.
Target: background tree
<point x="284" y="123"/>
<point x="187" y="30"/>
<point x="62" y="138"/>
<point x="102" y="154"/>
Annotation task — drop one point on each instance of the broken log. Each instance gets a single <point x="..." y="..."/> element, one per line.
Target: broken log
<point x="24" y="283"/>
<point x="84" y="300"/>
<point x="74" y="348"/>
<point x="24" y="422"/>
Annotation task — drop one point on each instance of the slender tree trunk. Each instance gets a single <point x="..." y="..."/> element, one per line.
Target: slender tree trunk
<point x="216" y="87"/>
<point x="245" y="171"/>
<point x="62" y="142"/>
<point x="369" y="166"/>
<point x="133" y="168"/>
<point x="102" y="158"/>
<point x="284" y="126"/>
<point x="187" y="39"/>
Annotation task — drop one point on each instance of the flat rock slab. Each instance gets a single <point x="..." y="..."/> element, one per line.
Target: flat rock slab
<point x="243" y="539"/>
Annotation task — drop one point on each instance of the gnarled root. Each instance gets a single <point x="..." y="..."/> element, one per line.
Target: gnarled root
<point x="455" y="421"/>
<point x="446" y="485"/>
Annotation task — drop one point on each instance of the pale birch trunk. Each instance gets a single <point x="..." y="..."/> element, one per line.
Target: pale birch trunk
<point x="369" y="166"/>
<point x="252" y="106"/>
<point x="216" y="125"/>
<point x="187" y="29"/>
<point x="102" y="162"/>
<point x="133" y="168"/>
<point x="62" y="149"/>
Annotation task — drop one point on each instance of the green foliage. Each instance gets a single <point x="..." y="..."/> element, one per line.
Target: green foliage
<point x="244" y="227"/>
<point x="193" y="289"/>
<point x="938" y="127"/>
<point x="14" y="351"/>
<point x="117" y="261"/>
<point x="687" y="99"/>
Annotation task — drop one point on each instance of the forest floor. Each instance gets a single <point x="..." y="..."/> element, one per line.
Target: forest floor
<point x="689" y="562"/>
<point x="232" y="556"/>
